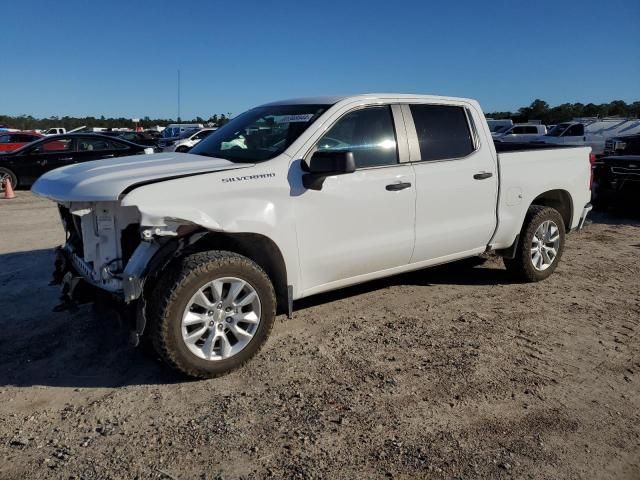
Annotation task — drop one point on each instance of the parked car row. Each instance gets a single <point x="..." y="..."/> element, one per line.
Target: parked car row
<point x="176" y="137"/>
<point x="616" y="173"/>
<point x="147" y="138"/>
<point x="24" y="165"/>
<point x="24" y="156"/>
<point x="184" y="142"/>
<point x="13" y="140"/>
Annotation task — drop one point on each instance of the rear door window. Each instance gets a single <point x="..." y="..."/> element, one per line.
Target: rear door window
<point x="443" y="131"/>
<point x="26" y="138"/>
<point x="55" y="145"/>
<point x="98" y="144"/>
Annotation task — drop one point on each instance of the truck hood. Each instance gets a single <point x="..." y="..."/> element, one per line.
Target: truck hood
<point x="106" y="180"/>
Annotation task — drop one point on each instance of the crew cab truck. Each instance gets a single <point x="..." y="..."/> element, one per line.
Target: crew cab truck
<point x="299" y="197"/>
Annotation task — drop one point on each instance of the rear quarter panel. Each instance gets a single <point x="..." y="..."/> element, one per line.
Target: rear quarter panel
<point x="525" y="175"/>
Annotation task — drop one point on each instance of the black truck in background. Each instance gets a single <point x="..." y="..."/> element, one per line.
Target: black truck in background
<point x="617" y="174"/>
<point x="622" y="145"/>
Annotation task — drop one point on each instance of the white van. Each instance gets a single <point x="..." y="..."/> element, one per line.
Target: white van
<point x="178" y="129"/>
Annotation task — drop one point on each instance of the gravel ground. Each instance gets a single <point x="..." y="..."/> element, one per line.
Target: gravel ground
<point x="452" y="372"/>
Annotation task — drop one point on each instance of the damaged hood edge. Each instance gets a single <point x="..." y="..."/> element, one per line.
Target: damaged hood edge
<point x="107" y="180"/>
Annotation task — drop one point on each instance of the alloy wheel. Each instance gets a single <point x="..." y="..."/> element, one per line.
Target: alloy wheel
<point x="221" y="318"/>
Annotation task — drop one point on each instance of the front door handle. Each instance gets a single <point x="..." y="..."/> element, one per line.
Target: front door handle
<point x="66" y="159"/>
<point x="394" y="187"/>
<point x="483" y="175"/>
<point x="108" y="155"/>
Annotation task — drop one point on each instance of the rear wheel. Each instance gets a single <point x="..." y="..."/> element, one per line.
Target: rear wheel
<point x="540" y="245"/>
<point x="211" y="312"/>
<point x="5" y="174"/>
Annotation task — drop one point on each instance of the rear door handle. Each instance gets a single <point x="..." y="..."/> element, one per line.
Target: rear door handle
<point x="394" y="187"/>
<point x="483" y="175"/>
<point x="66" y="159"/>
<point x="108" y="155"/>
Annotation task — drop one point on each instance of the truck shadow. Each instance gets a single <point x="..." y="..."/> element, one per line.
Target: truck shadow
<point x="627" y="215"/>
<point x="88" y="347"/>
<point x="471" y="271"/>
<point x="84" y="348"/>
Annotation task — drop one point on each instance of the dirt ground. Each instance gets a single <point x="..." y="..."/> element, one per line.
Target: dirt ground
<point x="452" y="372"/>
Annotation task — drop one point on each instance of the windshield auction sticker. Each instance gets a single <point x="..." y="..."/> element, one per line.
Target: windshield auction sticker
<point x="305" y="117"/>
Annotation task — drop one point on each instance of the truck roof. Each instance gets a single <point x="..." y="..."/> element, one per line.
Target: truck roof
<point x="330" y="100"/>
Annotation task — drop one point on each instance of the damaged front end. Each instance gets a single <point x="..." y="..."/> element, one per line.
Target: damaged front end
<point x="108" y="252"/>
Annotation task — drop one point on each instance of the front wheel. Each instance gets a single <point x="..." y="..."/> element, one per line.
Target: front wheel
<point x="211" y="312"/>
<point x="540" y="245"/>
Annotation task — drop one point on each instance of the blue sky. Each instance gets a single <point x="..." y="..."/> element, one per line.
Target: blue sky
<point x="117" y="58"/>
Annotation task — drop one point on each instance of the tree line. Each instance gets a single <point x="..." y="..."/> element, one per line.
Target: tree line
<point x="28" y="122"/>
<point x="540" y="110"/>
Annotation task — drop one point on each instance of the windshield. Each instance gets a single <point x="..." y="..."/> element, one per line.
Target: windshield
<point x="557" y="130"/>
<point x="259" y="134"/>
<point x="171" y="132"/>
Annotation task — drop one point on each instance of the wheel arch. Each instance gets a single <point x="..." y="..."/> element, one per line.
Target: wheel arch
<point x="561" y="201"/>
<point x="11" y="173"/>
<point x="257" y="247"/>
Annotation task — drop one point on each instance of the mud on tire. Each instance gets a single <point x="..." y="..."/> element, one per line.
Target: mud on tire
<point x="522" y="267"/>
<point x="175" y="289"/>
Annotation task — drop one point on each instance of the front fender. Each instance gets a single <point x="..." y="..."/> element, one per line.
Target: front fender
<point x="260" y="205"/>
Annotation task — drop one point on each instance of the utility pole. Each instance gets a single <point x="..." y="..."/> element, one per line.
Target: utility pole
<point x="178" y="95"/>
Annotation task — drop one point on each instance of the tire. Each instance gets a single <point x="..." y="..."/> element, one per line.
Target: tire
<point x="4" y="173"/>
<point x="172" y="301"/>
<point x="522" y="266"/>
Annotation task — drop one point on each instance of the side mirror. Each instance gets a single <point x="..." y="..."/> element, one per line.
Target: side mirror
<point x="327" y="164"/>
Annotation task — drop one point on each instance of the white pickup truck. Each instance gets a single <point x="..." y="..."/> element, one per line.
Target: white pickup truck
<point x="521" y="132"/>
<point x="299" y="197"/>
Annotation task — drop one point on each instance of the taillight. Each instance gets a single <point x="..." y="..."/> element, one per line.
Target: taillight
<point x="592" y="161"/>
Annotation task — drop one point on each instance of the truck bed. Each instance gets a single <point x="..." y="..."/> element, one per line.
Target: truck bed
<point x="560" y="173"/>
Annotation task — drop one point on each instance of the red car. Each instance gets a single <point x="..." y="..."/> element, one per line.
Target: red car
<point x="12" y="140"/>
